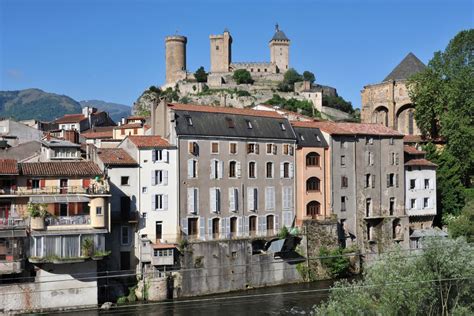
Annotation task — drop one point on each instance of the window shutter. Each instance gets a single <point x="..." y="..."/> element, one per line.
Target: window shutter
<point x="165" y="177"/>
<point x="165" y="202"/>
<point x="222" y="230"/>
<point x="190" y="168"/>
<point x="396" y="159"/>
<point x="373" y="181"/>
<point x="85" y="183"/>
<point x="238" y="169"/>
<point x="264" y="224"/>
<point x="209" y="229"/>
<point x="220" y="171"/>
<point x="153" y="202"/>
<point x="213" y="169"/>
<point x="202" y="228"/>
<point x="396" y="180"/>
<point x="232" y="207"/>
<point x="213" y="200"/>
<point x="29" y="183"/>
<point x="388" y="180"/>
<point x="227" y="227"/>
<point x="277" y="222"/>
<point x="291" y="170"/>
<point x="282" y="170"/>
<point x="250" y="199"/>
<point x="290" y="197"/>
<point x="260" y="225"/>
<point x="236" y="198"/>
<point x="257" y="148"/>
<point x="246" y="225"/>
<point x="196" y="200"/>
<point x="291" y="150"/>
<point x="267" y="198"/>
<point x="184" y="226"/>
<point x="153" y="177"/>
<point x="274" y="149"/>
<point x="191" y="200"/>
<point x="154" y="154"/>
<point x="284" y="197"/>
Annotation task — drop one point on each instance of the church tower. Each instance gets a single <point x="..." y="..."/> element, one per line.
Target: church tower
<point x="221" y="52"/>
<point x="280" y="50"/>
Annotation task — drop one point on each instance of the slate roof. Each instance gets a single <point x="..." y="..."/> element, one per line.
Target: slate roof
<point x="409" y="66"/>
<point x="420" y="162"/>
<point x="115" y="156"/>
<point x="279" y="35"/>
<point x="146" y="141"/>
<point x="60" y="168"/>
<point x="310" y="137"/>
<point x="343" y="128"/>
<point x="217" y="121"/>
<point x="8" y="166"/>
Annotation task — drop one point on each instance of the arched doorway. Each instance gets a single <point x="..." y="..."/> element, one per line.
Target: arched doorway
<point x="313" y="209"/>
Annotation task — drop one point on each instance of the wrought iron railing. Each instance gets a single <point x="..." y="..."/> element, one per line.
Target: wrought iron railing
<point x="68" y="220"/>
<point x="53" y="190"/>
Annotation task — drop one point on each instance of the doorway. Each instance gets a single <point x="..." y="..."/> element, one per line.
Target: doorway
<point x="159" y="230"/>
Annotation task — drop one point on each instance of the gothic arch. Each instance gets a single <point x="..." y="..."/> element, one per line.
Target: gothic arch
<point x="405" y="120"/>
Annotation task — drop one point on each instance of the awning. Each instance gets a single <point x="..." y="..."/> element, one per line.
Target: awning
<point x="59" y="199"/>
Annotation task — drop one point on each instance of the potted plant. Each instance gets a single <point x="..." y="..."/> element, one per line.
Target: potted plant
<point x="87" y="247"/>
<point x="37" y="214"/>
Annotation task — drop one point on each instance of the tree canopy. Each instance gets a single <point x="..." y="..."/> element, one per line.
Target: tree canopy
<point x="443" y="95"/>
<point x="290" y="77"/>
<point x="304" y="107"/>
<point x="242" y="76"/>
<point x="309" y="76"/>
<point x="200" y="75"/>
<point x="337" y="102"/>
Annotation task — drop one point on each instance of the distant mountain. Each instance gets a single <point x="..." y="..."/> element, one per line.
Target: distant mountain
<point x="116" y="111"/>
<point x="36" y="104"/>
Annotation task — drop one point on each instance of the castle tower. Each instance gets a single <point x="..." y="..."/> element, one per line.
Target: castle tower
<point x="280" y="50"/>
<point x="175" y="58"/>
<point x="221" y="52"/>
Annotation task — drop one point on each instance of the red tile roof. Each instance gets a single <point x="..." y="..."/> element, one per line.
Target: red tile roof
<point x="412" y="138"/>
<point x="136" y="117"/>
<point x="413" y="151"/>
<point x="60" y="168"/>
<point x="71" y="118"/>
<point x="224" y="110"/>
<point x="343" y="128"/>
<point x="163" y="246"/>
<point x="8" y="166"/>
<point x="130" y="125"/>
<point x="148" y="141"/>
<point x="420" y="162"/>
<point x="115" y="156"/>
<point x="104" y="134"/>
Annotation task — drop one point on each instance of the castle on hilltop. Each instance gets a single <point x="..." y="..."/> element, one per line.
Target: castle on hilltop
<point x="221" y="59"/>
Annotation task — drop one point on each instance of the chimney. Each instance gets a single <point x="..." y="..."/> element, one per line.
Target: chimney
<point x="123" y="120"/>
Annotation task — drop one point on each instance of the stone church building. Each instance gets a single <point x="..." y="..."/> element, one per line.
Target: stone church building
<point x="388" y="102"/>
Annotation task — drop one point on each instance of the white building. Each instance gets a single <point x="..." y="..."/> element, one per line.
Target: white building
<point x="420" y="189"/>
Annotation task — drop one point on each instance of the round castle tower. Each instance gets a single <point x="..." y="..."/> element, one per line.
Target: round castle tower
<point x="175" y="58"/>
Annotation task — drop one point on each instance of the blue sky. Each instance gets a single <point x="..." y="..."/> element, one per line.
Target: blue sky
<point x="112" y="50"/>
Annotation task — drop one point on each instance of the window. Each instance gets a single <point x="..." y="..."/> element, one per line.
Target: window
<point x="312" y="159"/>
<point x="144" y="190"/>
<point x="413" y="184"/>
<point x="269" y="149"/>
<point x="252" y="225"/>
<point x="135" y="131"/>
<point x="252" y="199"/>
<point x="193" y="200"/>
<point x="269" y="170"/>
<point x="233" y="148"/>
<point x="159" y="177"/>
<point x="287" y="170"/>
<point x="233" y="199"/>
<point x="189" y="120"/>
<point x="98" y="210"/>
<point x="252" y="170"/>
<point x="217" y="168"/>
<point x="158" y="155"/>
<point x="35" y="184"/>
<point x="287" y="198"/>
<point x="217" y="47"/>
<point x="313" y="209"/>
<point x="412" y="203"/>
<point x="392" y="180"/>
<point x="160" y="202"/>
<point x="343" y="161"/>
<point x="125" y="235"/>
<point x="427" y="183"/>
<point x="282" y="126"/>
<point x="249" y="124"/>
<point x="252" y="148"/>
<point x="124" y="180"/>
<point x="288" y="150"/>
<point x="192" y="226"/>
<point x="313" y="184"/>
<point x="317" y="137"/>
<point x="124" y="207"/>
<point x="269" y="198"/>
<point x="344" y="182"/>
<point x="370" y="159"/>
<point x="230" y="122"/>
<point x="368" y="207"/>
<point x="214" y="148"/>
<point x="391" y="207"/>
<point x="426" y="202"/>
<point x="390" y="141"/>
<point x="370" y="232"/>
<point x="192" y="169"/>
<point x="215" y="223"/>
<point x="368" y="181"/>
<point x="215" y="200"/>
<point x="343" y="203"/>
<point x="193" y="148"/>
<point x="122" y="131"/>
<point x="232" y="169"/>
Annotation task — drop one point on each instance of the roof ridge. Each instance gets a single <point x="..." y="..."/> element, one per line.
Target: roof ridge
<point x="409" y="66"/>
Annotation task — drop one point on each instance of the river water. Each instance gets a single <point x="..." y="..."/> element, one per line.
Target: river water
<point x="293" y="299"/>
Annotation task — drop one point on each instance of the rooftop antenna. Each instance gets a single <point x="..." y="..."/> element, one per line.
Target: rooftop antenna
<point x="277" y="28"/>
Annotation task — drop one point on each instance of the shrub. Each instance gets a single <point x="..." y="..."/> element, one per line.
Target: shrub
<point x="242" y="76"/>
<point x="283" y="233"/>
<point x="200" y="75"/>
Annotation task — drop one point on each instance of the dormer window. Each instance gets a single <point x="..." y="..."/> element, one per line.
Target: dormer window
<point x="249" y="124"/>
<point x="189" y="120"/>
<point x="230" y="122"/>
<point x="317" y="138"/>
<point x="301" y="136"/>
<point x="282" y="126"/>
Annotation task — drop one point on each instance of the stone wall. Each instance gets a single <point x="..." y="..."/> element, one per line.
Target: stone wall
<point x="223" y="266"/>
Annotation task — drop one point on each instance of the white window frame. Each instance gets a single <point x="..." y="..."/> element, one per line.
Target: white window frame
<point x="218" y="148"/>
<point x="236" y="148"/>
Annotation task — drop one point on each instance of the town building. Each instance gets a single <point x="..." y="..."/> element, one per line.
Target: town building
<point x="89" y="118"/>
<point x="367" y="184"/>
<point x="134" y="125"/>
<point x="13" y="133"/>
<point x="235" y="169"/>
<point x="420" y="189"/>
<point x="313" y="194"/>
<point x="388" y="102"/>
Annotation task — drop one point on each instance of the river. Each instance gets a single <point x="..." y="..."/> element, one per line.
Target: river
<point x="292" y="299"/>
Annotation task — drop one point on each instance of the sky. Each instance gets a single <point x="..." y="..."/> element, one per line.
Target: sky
<point x="113" y="50"/>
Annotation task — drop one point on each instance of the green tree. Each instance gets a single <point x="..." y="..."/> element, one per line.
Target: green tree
<point x="443" y="95"/>
<point x="335" y="261"/>
<point x="304" y="107"/>
<point x="242" y="76"/>
<point x="438" y="281"/>
<point x="463" y="225"/>
<point x="200" y="75"/>
<point x="309" y="76"/>
<point x="337" y="102"/>
<point x="290" y="77"/>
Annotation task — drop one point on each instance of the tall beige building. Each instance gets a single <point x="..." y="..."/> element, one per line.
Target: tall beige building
<point x="221" y="52"/>
<point x="280" y="50"/>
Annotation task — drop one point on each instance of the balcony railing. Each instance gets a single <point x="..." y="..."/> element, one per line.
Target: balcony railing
<point x="54" y="190"/>
<point x="12" y="222"/>
<point x="68" y="220"/>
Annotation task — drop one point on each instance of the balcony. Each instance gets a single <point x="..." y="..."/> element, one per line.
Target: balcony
<point x="68" y="220"/>
<point x="163" y="255"/>
<point x="10" y="222"/>
<point x="55" y="190"/>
